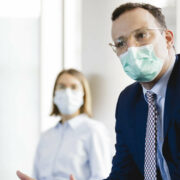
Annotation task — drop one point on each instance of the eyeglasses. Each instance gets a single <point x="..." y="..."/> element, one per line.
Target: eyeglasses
<point x="140" y="36"/>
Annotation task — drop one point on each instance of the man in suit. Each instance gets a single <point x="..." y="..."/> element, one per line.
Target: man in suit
<point x="148" y="111"/>
<point x="145" y="48"/>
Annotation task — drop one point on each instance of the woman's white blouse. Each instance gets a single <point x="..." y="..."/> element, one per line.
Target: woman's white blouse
<point x="81" y="147"/>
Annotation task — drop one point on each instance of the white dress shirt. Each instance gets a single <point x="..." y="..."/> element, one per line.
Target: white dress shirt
<point x="80" y="146"/>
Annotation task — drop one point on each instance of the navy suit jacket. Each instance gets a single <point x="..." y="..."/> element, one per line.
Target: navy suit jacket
<point x="131" y="118"/>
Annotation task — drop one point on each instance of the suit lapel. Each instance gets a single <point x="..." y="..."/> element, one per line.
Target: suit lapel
<point x="172" y="95"/>
<point x="140" y="119"/>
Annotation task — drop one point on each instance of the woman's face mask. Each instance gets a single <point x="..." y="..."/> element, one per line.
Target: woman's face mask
<point x="68" y="100"/>
<point x="141" y="63"/>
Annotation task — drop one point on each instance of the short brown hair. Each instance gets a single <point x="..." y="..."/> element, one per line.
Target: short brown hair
<point x="86" y="107"/>
<point x="155" y="11"/>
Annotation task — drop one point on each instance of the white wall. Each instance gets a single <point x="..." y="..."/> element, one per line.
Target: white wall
<point x="178" y="26"/>
<point x="72" y="34"/>
<point x="52" y="55"/>
<point x="19" y="90"/>
<point x="19" y="94"/>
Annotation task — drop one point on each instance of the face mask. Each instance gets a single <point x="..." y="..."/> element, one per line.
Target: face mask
<point x="141" y="63"/>
<point x="68" y="101"/>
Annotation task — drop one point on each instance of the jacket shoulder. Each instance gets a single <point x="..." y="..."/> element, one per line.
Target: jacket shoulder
<point x="130" y="91"/>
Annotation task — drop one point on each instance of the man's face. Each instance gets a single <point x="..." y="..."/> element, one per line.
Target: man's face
<point x="131" y="21"/>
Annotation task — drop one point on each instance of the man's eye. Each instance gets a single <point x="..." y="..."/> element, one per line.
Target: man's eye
<point x="120" y="44"/>
<point x="141" y="35"/>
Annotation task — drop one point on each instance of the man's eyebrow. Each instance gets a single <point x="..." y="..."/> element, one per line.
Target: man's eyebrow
<point x="122" y="37"/>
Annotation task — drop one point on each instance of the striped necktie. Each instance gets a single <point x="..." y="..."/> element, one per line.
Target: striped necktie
<point x="150" y="170"/>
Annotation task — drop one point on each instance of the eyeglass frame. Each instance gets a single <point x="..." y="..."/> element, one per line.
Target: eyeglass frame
<point x="114" y="46"/>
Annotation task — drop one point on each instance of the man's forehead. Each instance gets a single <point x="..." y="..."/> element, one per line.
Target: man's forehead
<point x="132" y="20"/>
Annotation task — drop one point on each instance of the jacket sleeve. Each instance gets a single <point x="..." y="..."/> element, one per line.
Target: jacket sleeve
<point x="123" y="167"/>
<point x="122" y="164"/>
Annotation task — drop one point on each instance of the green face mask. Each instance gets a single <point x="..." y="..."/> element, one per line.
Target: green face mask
<point x="141" y="63"/>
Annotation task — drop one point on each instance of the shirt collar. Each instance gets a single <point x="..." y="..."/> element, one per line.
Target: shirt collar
<point x="74" y="122"/>
<point x="160" y="87"/>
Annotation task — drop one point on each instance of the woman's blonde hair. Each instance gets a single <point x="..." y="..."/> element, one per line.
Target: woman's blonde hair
<point x="86" y="107"/>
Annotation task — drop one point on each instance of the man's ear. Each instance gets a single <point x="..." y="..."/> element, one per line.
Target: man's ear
<point x="169" y="38"/>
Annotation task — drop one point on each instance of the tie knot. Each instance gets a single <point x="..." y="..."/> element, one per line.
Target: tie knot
<point x="150" y="96"/>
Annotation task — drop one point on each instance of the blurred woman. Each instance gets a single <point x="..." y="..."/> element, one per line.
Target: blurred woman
<point x="77" y="145"/>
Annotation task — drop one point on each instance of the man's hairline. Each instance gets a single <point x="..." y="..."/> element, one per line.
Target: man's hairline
<point x="157" y="23"/>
